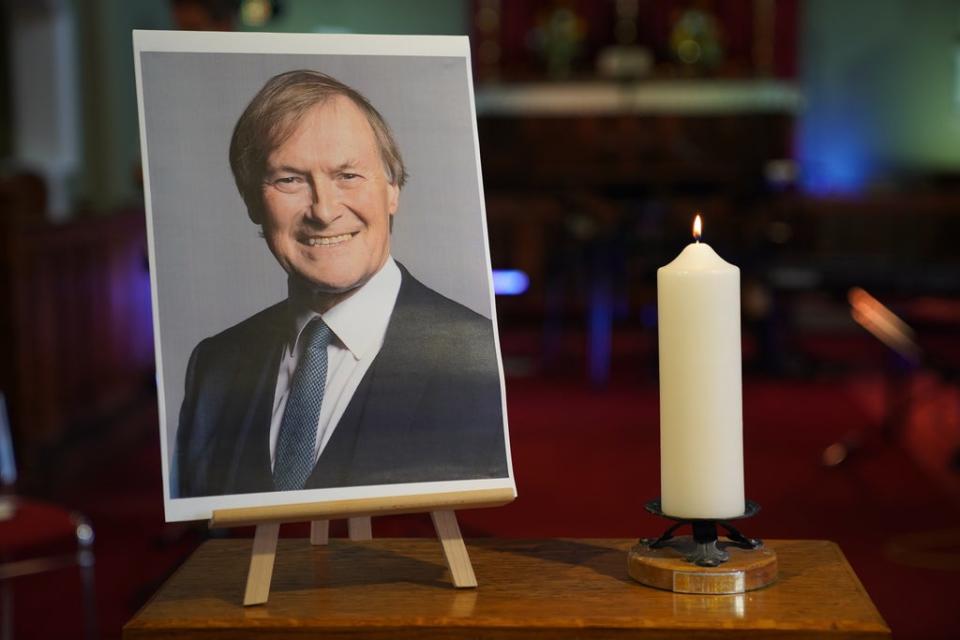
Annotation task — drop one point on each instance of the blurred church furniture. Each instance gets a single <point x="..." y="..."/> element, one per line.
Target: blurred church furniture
<point x="884" y="325"/>
<point x="38" y="537"/>
<point x="909" y="357"/>
<point x="665" y="97"/>
<point x="802" y="255"/>
<point x="520" y="40"/>
<point x="592" y="186"/>
<point x="42" y="92"/>
<point x="634" y="107"/>
<point x="899" y="243"/>
<point x="75" y="329"/>
<point x="560" y="588"/>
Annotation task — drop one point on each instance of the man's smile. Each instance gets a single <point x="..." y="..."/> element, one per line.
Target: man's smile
<point x="325" y="241"/>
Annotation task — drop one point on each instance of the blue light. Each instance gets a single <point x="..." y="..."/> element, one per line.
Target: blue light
<point x="510" y="282"/>
<point x="834" y="156"/>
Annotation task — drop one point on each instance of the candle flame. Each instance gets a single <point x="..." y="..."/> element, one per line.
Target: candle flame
<point x="697" y="228"/>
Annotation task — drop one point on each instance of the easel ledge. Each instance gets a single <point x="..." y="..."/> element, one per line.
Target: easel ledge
<point x="448" y="501"/>
<point x="440" y="505"/>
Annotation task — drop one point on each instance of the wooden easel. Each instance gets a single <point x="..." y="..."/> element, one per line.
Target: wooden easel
<point x="358" y="513"/>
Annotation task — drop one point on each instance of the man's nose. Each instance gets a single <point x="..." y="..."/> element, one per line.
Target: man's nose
<point x="323" y="201"/>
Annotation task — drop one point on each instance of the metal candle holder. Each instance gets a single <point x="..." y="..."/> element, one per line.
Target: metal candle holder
<point x="704" y="549"/>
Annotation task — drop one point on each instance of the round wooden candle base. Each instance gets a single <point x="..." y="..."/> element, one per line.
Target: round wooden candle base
<point x="666" y="568"/>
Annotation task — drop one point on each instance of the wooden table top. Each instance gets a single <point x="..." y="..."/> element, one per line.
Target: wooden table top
<point x="528" y="589"/>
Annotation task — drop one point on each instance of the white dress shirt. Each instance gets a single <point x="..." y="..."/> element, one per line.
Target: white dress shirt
<point x="359" y="325"/>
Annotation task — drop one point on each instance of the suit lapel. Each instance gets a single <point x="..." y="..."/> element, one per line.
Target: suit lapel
<point x="385" y="402"/>
<point x="246" y="453"/>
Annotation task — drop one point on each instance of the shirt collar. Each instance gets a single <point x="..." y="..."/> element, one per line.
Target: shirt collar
<point x="360" y="321"/>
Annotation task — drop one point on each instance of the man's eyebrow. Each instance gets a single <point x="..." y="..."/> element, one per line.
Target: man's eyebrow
<point x="348" y="164"/>
<point x="286" y="168"/>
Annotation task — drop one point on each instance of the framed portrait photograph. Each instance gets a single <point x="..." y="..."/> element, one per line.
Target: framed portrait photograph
<point x="322" y="296"/>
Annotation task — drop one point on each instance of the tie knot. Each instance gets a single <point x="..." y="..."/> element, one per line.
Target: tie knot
<point x="317" y="335"/>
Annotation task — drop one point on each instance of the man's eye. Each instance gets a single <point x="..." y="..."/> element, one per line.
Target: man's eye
<point x="288" y="184"/>
<point x="349" y="176"/>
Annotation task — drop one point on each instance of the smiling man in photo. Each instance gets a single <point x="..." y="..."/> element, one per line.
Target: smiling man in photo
<point x="362" y="375"/>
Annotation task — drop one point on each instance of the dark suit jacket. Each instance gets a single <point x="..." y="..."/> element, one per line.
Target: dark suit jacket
<point x="428" y="408"/>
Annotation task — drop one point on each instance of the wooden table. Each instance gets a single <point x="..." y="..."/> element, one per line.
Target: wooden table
<point x="528" y="589"/>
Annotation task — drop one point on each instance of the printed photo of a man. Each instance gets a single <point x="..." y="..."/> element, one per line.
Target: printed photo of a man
<point x="360" y="374"/>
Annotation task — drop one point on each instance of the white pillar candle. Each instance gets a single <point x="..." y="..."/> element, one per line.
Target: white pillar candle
<point x="701" y="410"/>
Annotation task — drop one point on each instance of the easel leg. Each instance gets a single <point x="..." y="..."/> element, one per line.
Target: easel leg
<point x="261" y="563"/>
<point x="319" y="532"/>
<point x="445" y="522"/>
<point x="359" y="528"/>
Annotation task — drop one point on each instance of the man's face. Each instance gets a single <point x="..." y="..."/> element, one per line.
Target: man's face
<point x="327" y="202"/>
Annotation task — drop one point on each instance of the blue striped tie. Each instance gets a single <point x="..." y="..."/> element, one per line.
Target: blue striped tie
<point x="294" y="458"/>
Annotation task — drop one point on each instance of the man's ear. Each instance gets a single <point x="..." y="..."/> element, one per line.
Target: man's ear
<point x="393" y="198"/>
<point x="255" y="212"/>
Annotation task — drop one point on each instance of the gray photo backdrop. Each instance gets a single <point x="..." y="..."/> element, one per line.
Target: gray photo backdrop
<point x="213" y="270"/>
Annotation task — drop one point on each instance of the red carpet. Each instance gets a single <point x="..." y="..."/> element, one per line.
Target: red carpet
<point x="585" y="463"/>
